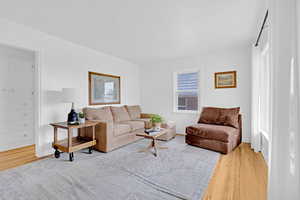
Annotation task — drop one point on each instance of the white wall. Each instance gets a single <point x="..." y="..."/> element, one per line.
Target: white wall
<point x="64" y="64"/>
<point x="157" y="85"/>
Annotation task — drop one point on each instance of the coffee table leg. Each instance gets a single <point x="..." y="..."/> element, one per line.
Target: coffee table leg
<point x="155" y="150"/>
<point x="158" y="146"/>
<point x="147" y="148"/>
<point x="155" y="146"/>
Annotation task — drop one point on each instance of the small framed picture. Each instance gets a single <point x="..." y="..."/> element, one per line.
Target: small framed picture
<point x="104" y="89"/>
<point x="225" y="79"/>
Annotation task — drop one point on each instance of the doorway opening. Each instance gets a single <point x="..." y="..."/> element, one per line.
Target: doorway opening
<point x="18" y="98"/>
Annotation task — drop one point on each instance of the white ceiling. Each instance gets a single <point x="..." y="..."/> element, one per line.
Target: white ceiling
<point x="143" y="30"/>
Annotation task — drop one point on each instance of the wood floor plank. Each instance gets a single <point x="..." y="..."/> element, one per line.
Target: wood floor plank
<point x="17" y="163"/>
<point x="239" y="175"/>
<point x="30" y="148"/>
<point x="17" y="157"/>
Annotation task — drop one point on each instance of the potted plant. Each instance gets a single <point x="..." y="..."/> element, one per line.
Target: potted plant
<point x="81" y="118"/>
<point x="156" y="121"/>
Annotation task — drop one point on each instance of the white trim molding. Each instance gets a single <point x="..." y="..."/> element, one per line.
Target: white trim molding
<point x="38" y="100"/>
<point x="37" y="91"/>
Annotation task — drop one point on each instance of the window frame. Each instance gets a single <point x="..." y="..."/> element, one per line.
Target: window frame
<point x="265" y="117"/>
<point x="175" y="91"/>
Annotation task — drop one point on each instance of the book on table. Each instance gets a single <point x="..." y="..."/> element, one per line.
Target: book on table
<point x="152" y="131"/>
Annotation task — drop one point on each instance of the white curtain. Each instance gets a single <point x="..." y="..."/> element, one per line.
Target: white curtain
<point x="256" y="64"/>
<point x="284" y="170"/>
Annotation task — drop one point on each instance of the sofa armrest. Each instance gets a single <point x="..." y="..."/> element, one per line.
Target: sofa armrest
<point x="146" y="115"/>
<point x="103" y="133"/>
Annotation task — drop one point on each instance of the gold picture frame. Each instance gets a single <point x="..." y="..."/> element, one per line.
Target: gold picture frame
<point x="104" y="89"/>
<point x="225" y="80"/>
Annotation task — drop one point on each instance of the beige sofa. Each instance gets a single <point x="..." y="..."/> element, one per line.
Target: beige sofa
<point x="117" y="125"/>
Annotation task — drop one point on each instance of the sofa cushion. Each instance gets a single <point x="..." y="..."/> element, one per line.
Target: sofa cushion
<point x="121" y="129"/>
<point x="120" y="114"/>
<point x="135" y="125"/>
<point x="214" y="132"/>
<point x="209" y="115"/>
<point x="229" y="117"/>
<point x="103" y="114"/>
<point x="134" y="112"/>
<point x="147" y="122"/>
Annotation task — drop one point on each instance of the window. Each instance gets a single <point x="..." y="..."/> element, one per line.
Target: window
<point x="186" y="86"/>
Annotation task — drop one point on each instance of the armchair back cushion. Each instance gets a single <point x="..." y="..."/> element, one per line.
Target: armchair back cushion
<point x="209" y="115"/>
<point x="102" y="114"/>
<point x="220" y="116"/>
<point x="120" y="114"/>
<point x="134" y="112"/>
<point x="229" y="117"/>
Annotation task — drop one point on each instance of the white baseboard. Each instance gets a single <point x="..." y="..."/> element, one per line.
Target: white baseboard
<point x="246" y="139"/>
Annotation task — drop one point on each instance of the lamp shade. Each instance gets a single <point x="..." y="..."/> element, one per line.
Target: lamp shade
<point x="69" y="95"/>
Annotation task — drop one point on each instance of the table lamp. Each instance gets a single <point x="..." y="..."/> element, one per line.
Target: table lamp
<point x="70" y="96"/>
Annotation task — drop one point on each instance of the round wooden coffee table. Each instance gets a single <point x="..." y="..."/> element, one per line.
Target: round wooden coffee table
<point x="153" y="144"/>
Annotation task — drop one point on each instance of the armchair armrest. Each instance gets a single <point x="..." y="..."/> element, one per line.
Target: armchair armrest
<point x="241" y="127"/>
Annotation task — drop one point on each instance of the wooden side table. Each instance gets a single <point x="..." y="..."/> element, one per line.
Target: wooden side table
<point x="72" y="144"/>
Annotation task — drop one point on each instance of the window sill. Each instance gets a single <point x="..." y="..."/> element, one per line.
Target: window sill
<point x="186" y="112"/>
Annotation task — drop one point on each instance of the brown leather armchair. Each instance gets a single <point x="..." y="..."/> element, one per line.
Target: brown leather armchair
<point x="218" y="129"/>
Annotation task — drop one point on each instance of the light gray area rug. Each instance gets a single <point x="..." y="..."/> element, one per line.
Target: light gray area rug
<point x="180" y="172"/>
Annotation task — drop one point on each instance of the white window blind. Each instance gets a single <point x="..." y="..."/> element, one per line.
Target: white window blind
<point x="186" y="91"/>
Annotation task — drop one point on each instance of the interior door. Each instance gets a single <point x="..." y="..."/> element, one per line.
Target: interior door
<point x="16" y="98"/>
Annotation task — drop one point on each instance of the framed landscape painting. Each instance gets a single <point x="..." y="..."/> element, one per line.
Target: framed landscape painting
<point x="225" y="79"/>
<point x="104" y="89"/>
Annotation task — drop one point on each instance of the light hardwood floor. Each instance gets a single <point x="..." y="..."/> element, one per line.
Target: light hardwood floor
<point x="16" y="157"/>
<point x="240" y="175"/>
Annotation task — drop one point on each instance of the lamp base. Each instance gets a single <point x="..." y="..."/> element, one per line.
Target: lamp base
<point x="72" y="118"/>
